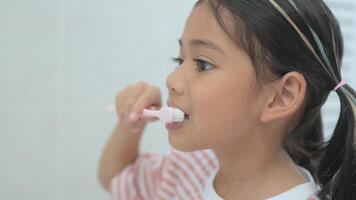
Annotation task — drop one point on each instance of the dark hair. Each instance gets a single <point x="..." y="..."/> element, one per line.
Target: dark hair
<point x="281" y="36"/>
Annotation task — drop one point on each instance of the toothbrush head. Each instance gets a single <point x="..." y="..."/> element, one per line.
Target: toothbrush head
<point x="169" y="114"/>
<point x="178" y="115"/>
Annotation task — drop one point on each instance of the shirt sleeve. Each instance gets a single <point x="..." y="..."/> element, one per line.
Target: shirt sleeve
<point x="140" y="179"/>
<point x="156" y="175"/>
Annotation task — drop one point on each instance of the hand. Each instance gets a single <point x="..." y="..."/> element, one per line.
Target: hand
<point x="131" y="101"/>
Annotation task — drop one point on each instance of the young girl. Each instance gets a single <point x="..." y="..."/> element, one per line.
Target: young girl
<point x="252" y="77"/>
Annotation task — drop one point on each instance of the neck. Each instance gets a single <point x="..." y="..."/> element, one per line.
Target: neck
<point x="255" y="167"/>
<point x="244" y="164"/>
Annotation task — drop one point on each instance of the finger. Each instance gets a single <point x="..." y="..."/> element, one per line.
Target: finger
<point x="123" y="96"/>
<point x="135" y="95"/>
<point x="151" y="118"/>
<point x="153" y="107"/>
<point x="148" y="99"/>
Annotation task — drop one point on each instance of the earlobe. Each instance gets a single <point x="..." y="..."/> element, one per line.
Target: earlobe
<point x="286" y="98"/>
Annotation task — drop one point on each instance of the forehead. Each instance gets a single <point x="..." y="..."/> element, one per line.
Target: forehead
<point x="202" y="24"/>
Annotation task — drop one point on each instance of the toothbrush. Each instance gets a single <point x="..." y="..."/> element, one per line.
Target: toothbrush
<point x="165" y="114"/>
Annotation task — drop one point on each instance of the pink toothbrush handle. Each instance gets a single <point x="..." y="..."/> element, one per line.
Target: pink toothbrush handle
<point x="112" y="109"/>
<point x="146" y="112"/>
<point x="150" y="113"/>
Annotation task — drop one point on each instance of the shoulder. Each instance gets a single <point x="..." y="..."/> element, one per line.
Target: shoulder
<point x="202" y="159"/>
<point x="194" y="167"/>
<point x="186" y="173"/>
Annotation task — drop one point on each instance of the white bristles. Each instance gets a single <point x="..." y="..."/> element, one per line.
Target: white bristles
<point x="166" y="114"/>
<point x="178" y="116"/>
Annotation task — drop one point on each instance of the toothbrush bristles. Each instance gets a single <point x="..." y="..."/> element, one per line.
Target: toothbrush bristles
<point x="178" y="116"/>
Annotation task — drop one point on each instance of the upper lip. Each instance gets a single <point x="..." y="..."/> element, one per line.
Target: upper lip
<point x="173" y="105"/>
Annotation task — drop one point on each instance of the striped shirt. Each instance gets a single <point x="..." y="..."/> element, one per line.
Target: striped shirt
<point x="174" y="175"/>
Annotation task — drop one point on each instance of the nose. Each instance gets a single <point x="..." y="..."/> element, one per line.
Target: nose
<point x="175" y="82"/>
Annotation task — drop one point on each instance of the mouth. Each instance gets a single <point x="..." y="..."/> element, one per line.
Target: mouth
<point x="186" y="118"/>
<point x="186" y="115"/>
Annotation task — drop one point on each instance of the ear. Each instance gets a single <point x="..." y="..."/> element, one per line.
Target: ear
<point x="286" y="98"/>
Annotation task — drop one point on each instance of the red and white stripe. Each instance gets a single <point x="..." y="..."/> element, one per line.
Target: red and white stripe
<point x="174" y="175"/>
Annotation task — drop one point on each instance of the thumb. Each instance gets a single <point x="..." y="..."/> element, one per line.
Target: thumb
<point x="153" y="108"/>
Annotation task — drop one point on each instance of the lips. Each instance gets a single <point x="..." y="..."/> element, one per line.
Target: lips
<point x="173" y="105"/>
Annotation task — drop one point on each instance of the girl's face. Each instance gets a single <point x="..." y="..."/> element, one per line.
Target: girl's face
<point x="214" y="86"/>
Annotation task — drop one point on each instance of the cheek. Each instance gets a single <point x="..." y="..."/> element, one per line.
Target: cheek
<point x="223" y="114"/>
<point x="220" y="111"/>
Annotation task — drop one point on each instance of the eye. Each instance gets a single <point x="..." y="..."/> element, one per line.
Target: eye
<point x="177" y="60"/>
<point x="202" y="64"/>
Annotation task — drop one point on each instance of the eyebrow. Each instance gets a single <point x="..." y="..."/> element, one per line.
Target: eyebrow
<point x="206" y="43"/>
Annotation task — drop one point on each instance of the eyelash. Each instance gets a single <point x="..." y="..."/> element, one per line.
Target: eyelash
<point x="198" y="61"/>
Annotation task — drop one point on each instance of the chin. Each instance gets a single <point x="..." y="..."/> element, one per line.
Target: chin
<point x="184" y="144"/>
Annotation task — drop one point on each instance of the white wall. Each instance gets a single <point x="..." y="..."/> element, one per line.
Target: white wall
<point x="61" y="64"/>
